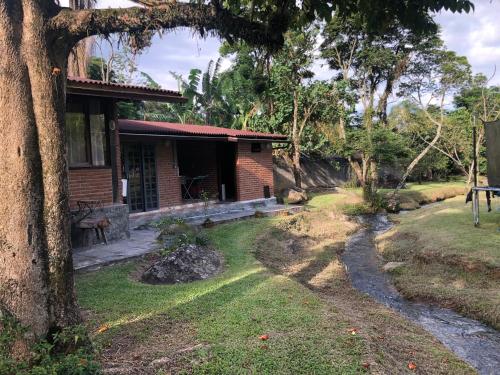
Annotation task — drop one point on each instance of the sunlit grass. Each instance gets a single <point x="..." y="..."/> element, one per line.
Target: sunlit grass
<point x="230" y="312"/>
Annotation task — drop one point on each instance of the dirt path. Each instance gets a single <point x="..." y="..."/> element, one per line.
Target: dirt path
<point x="471" y="340"/>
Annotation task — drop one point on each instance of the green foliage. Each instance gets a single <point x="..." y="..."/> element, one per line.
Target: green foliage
<point x="69" y="352"/>
<point x="167" y="221"/>
<point x="96" y="67"/>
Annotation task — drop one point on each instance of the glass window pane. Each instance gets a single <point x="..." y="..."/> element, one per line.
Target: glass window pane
<point x="97" y="134"/>
<point x="75" y="133"/>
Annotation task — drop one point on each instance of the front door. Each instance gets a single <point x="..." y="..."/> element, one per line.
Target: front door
<point x="140" y="170"/>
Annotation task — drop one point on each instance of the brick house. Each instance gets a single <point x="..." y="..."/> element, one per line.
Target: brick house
<point x="121" y="167"/>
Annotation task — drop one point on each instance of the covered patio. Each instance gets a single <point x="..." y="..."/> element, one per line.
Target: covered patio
<point x="168" y="165"/>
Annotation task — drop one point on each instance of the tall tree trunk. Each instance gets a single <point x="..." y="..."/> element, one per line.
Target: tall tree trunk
<point x="36" y="271"/>
<point x="296" y="142"/>
<point x="357" y="170"/>
<point x="296" y="167"/>
<point x="419" y="157"/>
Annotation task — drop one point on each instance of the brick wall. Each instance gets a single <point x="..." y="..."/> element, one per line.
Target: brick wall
<point x="254" y="170"/>
<point x="90" y="184"/>
<point x="169" y="184"/>
<point x="118" y="156"/>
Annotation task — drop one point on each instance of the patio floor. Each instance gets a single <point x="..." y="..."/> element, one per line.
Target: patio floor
<point x="143" y="241"/>
<point x="140" y="243"/>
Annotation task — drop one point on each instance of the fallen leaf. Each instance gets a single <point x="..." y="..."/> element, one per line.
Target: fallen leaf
<point x="264" y="337"/>
<point x="412" y="366"/>
<point x="102" y="328"/>
<point x="264" y="347"/>
<point x="353" y="331"/>
<point x="366" y="365"/>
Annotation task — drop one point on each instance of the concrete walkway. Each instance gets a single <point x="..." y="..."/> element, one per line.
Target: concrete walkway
<point x="140" y="243"/>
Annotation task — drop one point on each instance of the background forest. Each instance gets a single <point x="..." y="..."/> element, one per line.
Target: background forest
<point x="395" y="102"/>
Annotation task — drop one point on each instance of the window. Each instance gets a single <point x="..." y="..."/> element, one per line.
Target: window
<point x="97" y="134"/>
<point x="86" y="134"/>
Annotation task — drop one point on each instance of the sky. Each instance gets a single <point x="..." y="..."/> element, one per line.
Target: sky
<point x="475" y="35"/>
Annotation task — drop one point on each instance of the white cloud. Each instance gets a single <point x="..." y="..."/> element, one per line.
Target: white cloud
<point x="475" y="35"/>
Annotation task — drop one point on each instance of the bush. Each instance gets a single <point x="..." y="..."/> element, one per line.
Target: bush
<point x="183" y="235"/>
<point x="373" y="198"/>
<point x="69" y="352"/>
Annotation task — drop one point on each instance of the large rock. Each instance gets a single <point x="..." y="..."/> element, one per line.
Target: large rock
<point x="187" y="263"/>
<point x="295" y="196"/>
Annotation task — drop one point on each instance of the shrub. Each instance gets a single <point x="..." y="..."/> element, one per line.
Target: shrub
<point x="68" y="352"/>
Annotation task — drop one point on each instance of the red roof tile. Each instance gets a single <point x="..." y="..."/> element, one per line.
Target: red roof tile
<point x="168" y="128"/>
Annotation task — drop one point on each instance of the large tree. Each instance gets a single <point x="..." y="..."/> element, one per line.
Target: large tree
<point x="370" y="65"/>
<point x="434" y="79"/>
<point x="36" y="36"/>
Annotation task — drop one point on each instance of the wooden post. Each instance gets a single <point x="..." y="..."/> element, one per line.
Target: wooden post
<point x="475" y="193"/>
<point x="475" y="206"/>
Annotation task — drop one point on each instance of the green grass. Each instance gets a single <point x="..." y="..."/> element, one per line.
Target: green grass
<point x="230" y="312"/>
<point x="448" y="260"/>
<point x="448" y="229"/>
<point x="227" y="314"/>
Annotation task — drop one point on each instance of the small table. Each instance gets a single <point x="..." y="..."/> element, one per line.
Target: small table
<point x="187" y="183"/>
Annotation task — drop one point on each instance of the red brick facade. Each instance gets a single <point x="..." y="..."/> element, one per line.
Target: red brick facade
<point x="118" y="156"/>
<point x="90" y="184"/>
<point x="254" y="170"/>
<point x="169" y="184"/>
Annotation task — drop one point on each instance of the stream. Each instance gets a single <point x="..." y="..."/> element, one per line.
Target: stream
<point x="472" y="341"/>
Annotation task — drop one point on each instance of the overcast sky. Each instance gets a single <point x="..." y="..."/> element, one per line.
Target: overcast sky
<point x="475" y="35"/>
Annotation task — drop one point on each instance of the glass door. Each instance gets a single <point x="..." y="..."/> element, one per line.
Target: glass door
<point x="140" y="169"/>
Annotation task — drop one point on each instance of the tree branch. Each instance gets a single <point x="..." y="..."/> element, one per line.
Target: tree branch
<point x="76" y="25"/>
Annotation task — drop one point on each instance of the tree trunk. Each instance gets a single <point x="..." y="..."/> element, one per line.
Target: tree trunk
<point x="36" y="271"/>
<point x="419" y="157"/>
<point x="296" y="142"/>
<point x="296" y="167"/>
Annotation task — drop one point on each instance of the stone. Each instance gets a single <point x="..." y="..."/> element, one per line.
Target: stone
<point x="161" y="362"/>
<point x="391" y="266"/>
<point x="393" y="203"/>
<point x="187" y="263"/>
<point x="295" y="196"/>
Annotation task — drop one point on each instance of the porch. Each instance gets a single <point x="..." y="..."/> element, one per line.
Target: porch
<point x="167" y="165"/>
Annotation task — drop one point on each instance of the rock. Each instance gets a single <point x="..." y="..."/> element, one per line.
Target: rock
<point x="160" y="362"/>
<point x="295" y="196"/>
<point x="187" y="263"/>
<point x="393" y="204"/>
<point x="388" y="267"/>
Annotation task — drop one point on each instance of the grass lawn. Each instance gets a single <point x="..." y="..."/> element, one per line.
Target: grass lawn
<point x="449" y="261"/>
<point x="315" y="322"/>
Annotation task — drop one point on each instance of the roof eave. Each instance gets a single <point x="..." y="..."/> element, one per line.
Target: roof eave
<point x="205" y="137"/>
<point x="77" y="88"/>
